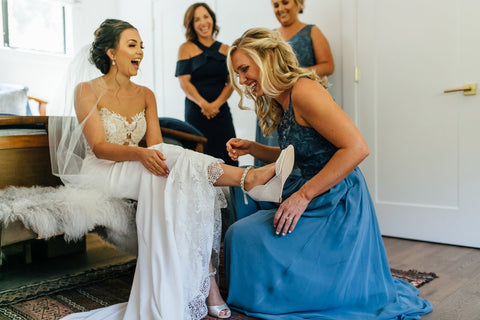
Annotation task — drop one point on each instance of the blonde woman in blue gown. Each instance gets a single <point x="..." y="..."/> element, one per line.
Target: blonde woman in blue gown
<point x="319" y="254"/>
<point x="178" y="207"/>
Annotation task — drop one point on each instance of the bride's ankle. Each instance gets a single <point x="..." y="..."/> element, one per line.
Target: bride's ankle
<point x="246" y="179"/>
<point x="214" y="295"/>
<point x="253" y="177"/>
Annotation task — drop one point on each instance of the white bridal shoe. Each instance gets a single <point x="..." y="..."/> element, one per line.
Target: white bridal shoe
<point x="214" y="311"/>
<point x="272" y="190"/>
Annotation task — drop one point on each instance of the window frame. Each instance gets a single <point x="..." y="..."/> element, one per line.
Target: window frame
<point x="4" y="28"/>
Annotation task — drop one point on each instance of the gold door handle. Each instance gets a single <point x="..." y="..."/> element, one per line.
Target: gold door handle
<point x="468" y="89"/>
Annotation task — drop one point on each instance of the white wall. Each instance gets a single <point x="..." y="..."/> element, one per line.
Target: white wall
<point x="36" y="71"/>
<point x="87" y="16"/>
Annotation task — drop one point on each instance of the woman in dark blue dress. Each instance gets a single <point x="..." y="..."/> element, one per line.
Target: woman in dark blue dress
<point x="309" y="44"/>
<point x="319" y="254"/>
<point x="203" y="76"/>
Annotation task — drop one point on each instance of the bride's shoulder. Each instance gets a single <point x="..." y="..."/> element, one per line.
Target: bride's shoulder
<point x="91" y="84"/>
<point x="88" y="89"/>
<point x="148" y="94"/>
<point x="146" y="91"/>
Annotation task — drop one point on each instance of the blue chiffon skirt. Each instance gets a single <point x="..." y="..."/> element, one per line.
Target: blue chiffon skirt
<point x="332" y="266"/>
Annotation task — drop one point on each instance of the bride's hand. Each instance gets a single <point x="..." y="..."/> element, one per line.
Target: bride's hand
<point x="153" y="161"/>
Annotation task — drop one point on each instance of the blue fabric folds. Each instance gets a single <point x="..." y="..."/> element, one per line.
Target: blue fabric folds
<point x="333" y="266"/>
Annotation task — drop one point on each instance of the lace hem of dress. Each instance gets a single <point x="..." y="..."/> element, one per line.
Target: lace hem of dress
<point x="197" y="309"/>
<point x="214" y="172"/>
<point x="199" y="227"/>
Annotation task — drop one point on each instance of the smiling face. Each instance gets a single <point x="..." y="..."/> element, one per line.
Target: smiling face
<point x="129" y="52"/>
<point x="286" y="11"/>
<point x="248" y="71"/>
<point x="202" y="22"/>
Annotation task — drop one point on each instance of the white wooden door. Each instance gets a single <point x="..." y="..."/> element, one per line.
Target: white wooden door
<point x="424" y="166"/>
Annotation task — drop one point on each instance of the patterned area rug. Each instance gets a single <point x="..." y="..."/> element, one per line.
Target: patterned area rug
<point x="54" y="299"/>
<point x="414" y="277"/>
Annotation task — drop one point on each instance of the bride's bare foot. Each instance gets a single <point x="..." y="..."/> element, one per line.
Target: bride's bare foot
<point x="259" y="176"/>
<point x="215" y="303"/>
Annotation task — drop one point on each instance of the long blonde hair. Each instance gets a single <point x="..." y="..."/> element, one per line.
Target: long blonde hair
<point x="279" y="70"/>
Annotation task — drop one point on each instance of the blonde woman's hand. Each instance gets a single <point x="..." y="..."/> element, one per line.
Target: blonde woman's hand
<point x="289" y="212"/>
<point x="238" y="147"/>
<point x="153" y="161"/>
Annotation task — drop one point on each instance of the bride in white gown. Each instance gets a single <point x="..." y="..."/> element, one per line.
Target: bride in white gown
<point x="178" y="216"/>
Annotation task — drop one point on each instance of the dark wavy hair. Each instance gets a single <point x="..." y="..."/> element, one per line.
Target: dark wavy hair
<point x="190" y="33"/>
<point x="107" y="37"/>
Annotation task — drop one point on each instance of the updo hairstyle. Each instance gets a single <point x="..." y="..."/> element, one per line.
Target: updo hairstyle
<point x="107" y="37"/>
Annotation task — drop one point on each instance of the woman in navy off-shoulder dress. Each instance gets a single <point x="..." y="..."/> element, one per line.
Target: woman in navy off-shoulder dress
<point x="203" y="76"/>
<point x="319" y="254"/>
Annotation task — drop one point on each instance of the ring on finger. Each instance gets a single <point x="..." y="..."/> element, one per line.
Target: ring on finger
<point x="289" y="218"/>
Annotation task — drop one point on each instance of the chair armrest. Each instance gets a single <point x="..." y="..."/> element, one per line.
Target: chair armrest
<point x="38" y="100"/>
<point x="183" y="136"/>
<point x="43" y="121"/>
<point x="22" y="120"/>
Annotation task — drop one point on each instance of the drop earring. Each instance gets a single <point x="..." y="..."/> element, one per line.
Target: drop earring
<point x="113" y="62"/>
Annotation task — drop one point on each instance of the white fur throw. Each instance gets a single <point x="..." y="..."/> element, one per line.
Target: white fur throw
<point x="50" y="211"/>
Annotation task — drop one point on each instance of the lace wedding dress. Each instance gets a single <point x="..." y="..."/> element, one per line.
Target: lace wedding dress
<point x="178" y="224"/>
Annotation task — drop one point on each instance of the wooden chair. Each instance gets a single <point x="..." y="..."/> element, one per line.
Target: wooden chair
<point x="42" y="105"/>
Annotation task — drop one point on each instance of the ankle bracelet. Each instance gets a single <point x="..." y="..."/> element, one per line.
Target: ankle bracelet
<point x="242" y="183"/>
<point x="213" y="273"/>
<point x="242" y="180"/>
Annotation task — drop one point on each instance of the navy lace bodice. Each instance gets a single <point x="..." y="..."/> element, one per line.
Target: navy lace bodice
<point x="302" y="45"/>
<point x="312" y="151"/>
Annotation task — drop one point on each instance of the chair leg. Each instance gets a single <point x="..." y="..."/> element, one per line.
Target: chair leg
<point x="27" y="252"/>
<point x="1" y="242"/>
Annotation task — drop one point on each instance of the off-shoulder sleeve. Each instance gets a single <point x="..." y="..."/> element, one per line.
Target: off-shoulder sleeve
<point x="183" y="67"/>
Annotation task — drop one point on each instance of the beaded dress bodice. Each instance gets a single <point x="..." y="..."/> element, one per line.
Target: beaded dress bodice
<point x="312" y="151"/>
<point x="121" y="131"/>
<point x="301" y="43"/>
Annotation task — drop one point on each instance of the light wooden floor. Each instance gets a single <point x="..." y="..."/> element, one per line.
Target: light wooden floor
<point x="455" y="295"/>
